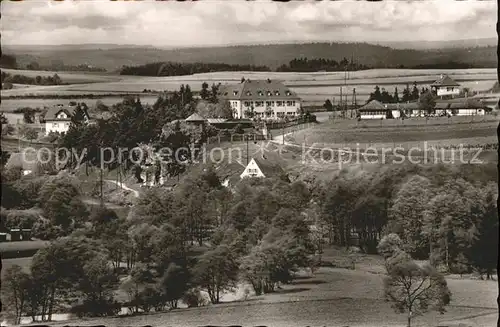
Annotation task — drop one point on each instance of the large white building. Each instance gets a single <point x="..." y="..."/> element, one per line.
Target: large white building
<point x="58" y="118"/>
<point x="445" y="86"/>
<point x="266" y="99"/>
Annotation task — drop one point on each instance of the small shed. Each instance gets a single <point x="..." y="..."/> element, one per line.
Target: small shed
<point x="26" y="234"/>
<point x="15" y="235"/>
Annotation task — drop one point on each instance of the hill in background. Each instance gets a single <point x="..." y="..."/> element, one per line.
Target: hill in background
<point x="113" y="57"/>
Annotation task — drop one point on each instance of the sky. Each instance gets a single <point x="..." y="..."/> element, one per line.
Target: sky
<point x="210" y="22"/>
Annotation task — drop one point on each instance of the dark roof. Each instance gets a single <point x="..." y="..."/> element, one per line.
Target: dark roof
<point x="256" y="90"/>
<point x="373" y="105"/>
<point x="53" y="111"/>
<point x="268" y="167"/>
<point x="445" y="80"/>
<point x="195" y="118"/>
<point x="463" y="103"/>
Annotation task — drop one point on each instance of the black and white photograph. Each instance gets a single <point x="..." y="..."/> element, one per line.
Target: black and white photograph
<point x="249" y="163"/>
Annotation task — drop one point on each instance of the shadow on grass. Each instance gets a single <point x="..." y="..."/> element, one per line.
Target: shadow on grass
<point x="291" y="290"/>
<point x="308" y="282"/>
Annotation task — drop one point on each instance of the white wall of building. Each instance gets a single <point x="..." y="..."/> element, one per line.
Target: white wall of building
<point x="252" y="170"/>
<point x="56" y="126"/>
<point x="448" y="90"/>
<point x="280" y="108"/>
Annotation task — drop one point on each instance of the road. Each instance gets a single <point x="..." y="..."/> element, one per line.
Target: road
<point x="123" y="186"/>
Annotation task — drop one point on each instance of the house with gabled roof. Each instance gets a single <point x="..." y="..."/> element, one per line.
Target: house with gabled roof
<point x="445" y="86"/>
<point x="266" y="99"/>
<point x="58" y="118"/>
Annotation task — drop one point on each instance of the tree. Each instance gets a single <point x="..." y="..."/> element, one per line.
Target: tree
<point x="328" y="105"/>
<point x="406" y="94"/>
<point x="216" y="271"/>
<point x="427" y="103"/>
<point x="31" y="134"/>
<point x="16" y="283"/>
<point x="204" y="93"/>
<point x="415" y="289"/>
<point x="174" y="284"/>
<point x="395" y="97"/>
<point x="414" y="92"/>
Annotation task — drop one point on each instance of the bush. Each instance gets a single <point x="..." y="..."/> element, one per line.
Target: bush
<point x="98" y="308"/>
<point x="193" y="298"/>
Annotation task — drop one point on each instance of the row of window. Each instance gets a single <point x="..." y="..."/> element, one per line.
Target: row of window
<point x="277" y="114"/>
<point x="270" y="103"/>
<point x="261" y="93"/>
<point x="62" y="124"/>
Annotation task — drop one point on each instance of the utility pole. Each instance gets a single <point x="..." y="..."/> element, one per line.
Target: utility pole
<point x="246" y="136"/>
<point x="102" y="197"/>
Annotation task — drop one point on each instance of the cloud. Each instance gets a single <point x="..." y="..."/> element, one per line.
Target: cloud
<point x="221" y="22"/>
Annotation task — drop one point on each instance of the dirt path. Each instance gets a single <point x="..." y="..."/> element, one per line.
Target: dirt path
<point x="123" y="186"/>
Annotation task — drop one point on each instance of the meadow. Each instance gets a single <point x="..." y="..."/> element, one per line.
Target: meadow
<point x="406" y="133"/>
<point x="314" y="88"/>
<point x="333" y="296"/>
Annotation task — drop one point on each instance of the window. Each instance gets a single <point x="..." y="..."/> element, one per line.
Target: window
<point x="225" y="93"/>
<point x="269" y="103"/>
<point x="259" y="103"/>
<point x="260" y="93"/>
<point x="249" y="93"/>
<point x="235" y="93"/>
<point x="247" y="104"/>
<point x="55" y="125"/>
<point x="269" y="93"/>
<point x="276" y="93"/>
<point x="449" y="89"/>
<point x="288" y="93"/>
<point x="279" y="103"/>
<point x="289" y="103"/>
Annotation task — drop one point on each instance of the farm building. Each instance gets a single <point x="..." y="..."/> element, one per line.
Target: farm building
<point x="373" y="110"/>
<point x="445" y="86"/>
<point x="265" y="99"/>
<point x="260" y="167"/>
<point x="58" y="118"/>
<point x="461" y="107"/>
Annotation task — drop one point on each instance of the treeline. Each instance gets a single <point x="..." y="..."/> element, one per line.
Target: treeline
<point x="60" y="66"/>
<point x="180" y="69"/>
<point x="7" y="78"/>
<point x="448" y="65"/>
<point x="409" y="94"/>
<point x="321" y="64"/>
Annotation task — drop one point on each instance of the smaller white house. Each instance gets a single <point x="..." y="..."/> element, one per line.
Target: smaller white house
<point x="263" y="168"/>
<point x="373" y="110"/>
<point x="58" y="118"/>
<point x="445" y="86"/>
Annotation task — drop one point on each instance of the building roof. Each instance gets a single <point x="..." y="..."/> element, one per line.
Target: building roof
<point x="373" y="105"/>
<point x="257" y="90"/>
<point x="53" y="111"/>
<point x="462" y="103"/>
<point x="442" y="105"/>
<point x="445" y="80"/>
<point x="268" y="168"/>
<point x="195" y="117"/>
<point x="216" y="120"/>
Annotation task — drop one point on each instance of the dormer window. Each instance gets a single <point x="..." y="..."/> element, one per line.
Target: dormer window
<point x="276" y="93"/>
<point x="269" y="93"/>
<point x="288" y="93"/>
<point x="249" y="93"/>
<point x="260" y="93"/>
<point x="225" y="93"/>
<point x="235" y="93"/>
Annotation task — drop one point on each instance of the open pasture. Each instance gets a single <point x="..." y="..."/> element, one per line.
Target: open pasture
<point x="407" y="133"/>
<point x="312" y="87"/>
<point x="67" y="77"/>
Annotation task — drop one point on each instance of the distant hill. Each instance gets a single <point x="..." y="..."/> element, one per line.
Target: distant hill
<point x="113" y="57"/>
<point x="449" y="44"/>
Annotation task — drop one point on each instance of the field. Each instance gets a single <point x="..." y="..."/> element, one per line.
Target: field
<point x="406" y="133"/>
<point x="333" y="297"/>
<point x="314" y="88"/>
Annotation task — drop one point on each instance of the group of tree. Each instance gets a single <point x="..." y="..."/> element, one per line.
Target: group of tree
<point x="132" y="124"/>
<point x="199" y="237"/>
<point x="60" y="66"/>
<point x="321" y="64"/>
<point x="180" y="69"/>
<point x="37" y="80"/>
<point x="408" y="94"/>
<point x="441" y="213"/>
